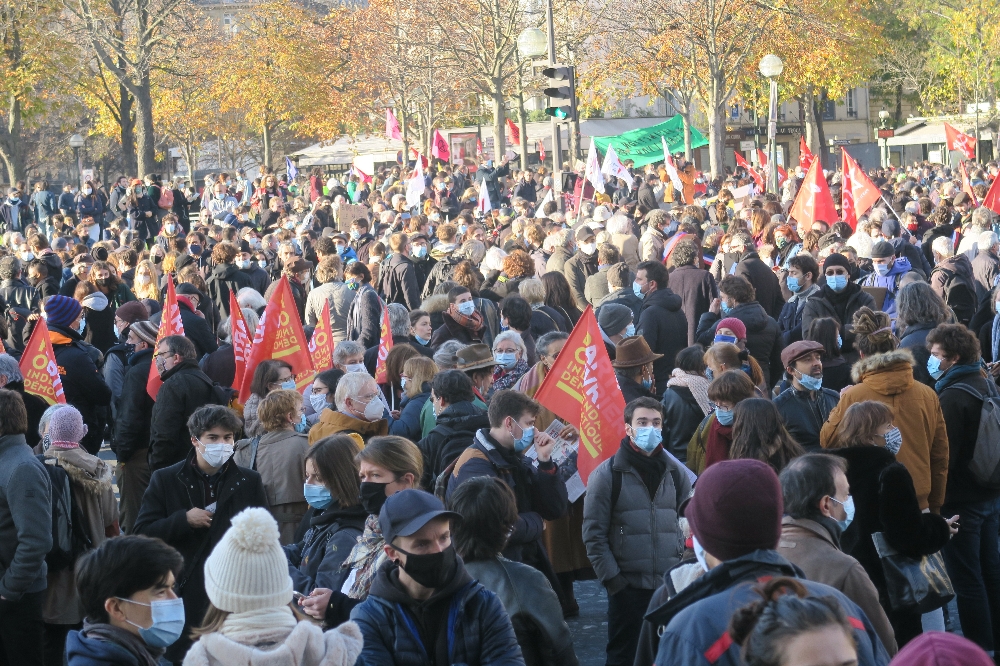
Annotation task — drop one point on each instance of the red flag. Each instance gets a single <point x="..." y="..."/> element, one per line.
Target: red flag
<point x="321" y="344"/>
<point x="858" y="192"/>
<point x="384" y="345"/>
<point x="967" y="184"/>
<point x="742" y="163"/>
<point x="365" y="178"/>
<point x="240" y="335"/>
<point x="170" y="324"/>
<point x="992" y="198"/>
<point x="515" y="132"/>
<point x="392" y="126"/>
<point x="581" y="389"/>
<point x="541" y="151"/>
<point x="417" y="155"/>
<point x="39" y="367"/>
<point x="479" y="147"/>
<point x="439" y="147"/>
<point x="806" y="157"/>
<point x="958" y="140"/>
<point x="814" y="201"/>
<point x="279" y="336"/>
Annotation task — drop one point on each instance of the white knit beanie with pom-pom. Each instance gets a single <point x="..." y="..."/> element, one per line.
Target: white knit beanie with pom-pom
<point x="248" y="570"/>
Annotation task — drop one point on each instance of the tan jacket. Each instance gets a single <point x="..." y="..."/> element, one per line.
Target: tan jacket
<point x="281" y="460"/>
<point x="628" y="245"/>
<point x="810" y="546"/>
<point x="888" y="378"/>
<point x="332" y="422"/>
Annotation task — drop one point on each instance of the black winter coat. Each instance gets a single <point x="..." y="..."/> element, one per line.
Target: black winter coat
<point x="198" y="331"/>
<point x="364" y="317"/>
<point x="493" y="178"/>
<point x="681" y="417"/>
<point x="764" y="281"/>
<point x="546" y="320"/>
<point x="441" y="272"/>
<point x="664" y="325"/>
<point x="697" y="289"/>
<point x="18" y="294"/>
<point x="226" y="278"/>
<point x="259" y="279"/>
<point x="83" y="385"/>
<point x="172" y="492"/>
<point x="962" y="411"/>
<point x="455" y="429"/>
<point x="398" y="282"/>
<point x="805" y="412"/>
<point x="763" y="337"/>
<point x="185" y="389"/>
<point x="632" y="389"/>
<point x="624" y="296"/>
<point x="135" y="408"/>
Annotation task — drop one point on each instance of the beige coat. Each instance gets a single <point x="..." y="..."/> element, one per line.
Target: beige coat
<point x="628" y="245"/>
<point x="810" y="546"/>
<point x="90" y="483"/>
<point x="281" y="461"/>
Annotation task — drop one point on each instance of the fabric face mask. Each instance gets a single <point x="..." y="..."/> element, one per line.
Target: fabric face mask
<point x="731" y="339"/>
<point x="647" y="438"/>
<point x="372" y="496"/>
<point x="317" y="401"/>
<point x="894" y="440"/>
<point x="467" y="308"/>
<point x="168" y="622"/>
<point x="318" y="497"/>
<point x="432" y="570"/>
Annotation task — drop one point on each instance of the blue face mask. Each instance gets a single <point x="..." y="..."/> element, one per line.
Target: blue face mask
<point x="168" y="622"/>
<point x="647" y="383"/>
<point x="423" y="341"/>
<point x="811" y="383"/>
<point x="419" y="251"/>
<point x="848" y="509"/>
<point x="699" y="553"/>
<point x="724" y="416"/>
<point x="240" y="263"/>
<point x="726" y="309"/>
<point x="526" y="439"/>
<point x="934" y="367"/>
<point x="882" y="269"/>
<point x="637" y="289"/>
<point x="731" y="339"/>
<point x="630" y="330"/>
<point x="302" y="425"/>
<point x="505" y="359"/>
<point x="288" y="385"/>
<point x="709" y="375"/>
<point x="837" y="282"/>
<point x="318" y="497"/>
<point x="647" y="438"/>
<point x="467" y="308"/>
<point x="793" y="285"/>
<point x="840" y="341"/>
<point x="83" y="325"/>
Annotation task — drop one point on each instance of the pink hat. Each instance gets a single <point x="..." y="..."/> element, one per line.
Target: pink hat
<point x="66" y="428"/>
<point x="734" y="325"/>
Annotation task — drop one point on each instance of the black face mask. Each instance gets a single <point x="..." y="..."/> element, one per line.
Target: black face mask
<point x="372" y="496"/>
<point x="129" y="349"/>
<point x="432" y="571"/>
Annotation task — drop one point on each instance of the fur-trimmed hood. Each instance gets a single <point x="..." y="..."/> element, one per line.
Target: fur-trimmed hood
<point x="88" y="472"/>
<point x="889" y="373"/>
<point x="435" y="303"/>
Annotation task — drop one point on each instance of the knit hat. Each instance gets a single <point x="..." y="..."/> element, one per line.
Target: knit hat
<point x="61" y="310"/>
<point x="736" y="508"/>
<point x="836" y="260"/>
<point x="248" y="570"/>
<point x="734" y="325"/>
<point x="132" y="312"/>
<point x="66" y="428"/>
<point x="883" y="250"/>
<point x="937" y="648"/>
<point x="614" y="317"/>
<point x="145" y="331"/>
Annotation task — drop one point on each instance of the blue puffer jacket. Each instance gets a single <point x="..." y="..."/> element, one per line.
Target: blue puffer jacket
<point x="697" y="618"/>
<point x="315" y="561"/>
<point x="479" y="629"/>
<point x="408" y="423"/>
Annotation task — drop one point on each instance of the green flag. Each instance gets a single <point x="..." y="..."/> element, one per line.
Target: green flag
<point x="645" y="146"/>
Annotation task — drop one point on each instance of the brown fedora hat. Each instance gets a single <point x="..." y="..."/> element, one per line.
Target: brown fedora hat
<point x="475" y="357"/>
<point x="633" y="352"/>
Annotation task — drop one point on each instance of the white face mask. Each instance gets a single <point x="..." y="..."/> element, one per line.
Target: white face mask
<point x="318" y="401"/>
<point x="216" y="455"/>
<point x="373" y="410"/>
<point x="354" y="367"/>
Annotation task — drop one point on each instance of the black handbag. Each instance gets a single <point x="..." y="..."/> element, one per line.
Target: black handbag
<point x="913" y="585"/>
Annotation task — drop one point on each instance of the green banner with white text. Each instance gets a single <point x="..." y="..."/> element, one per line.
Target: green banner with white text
<point x="645" y="146"/>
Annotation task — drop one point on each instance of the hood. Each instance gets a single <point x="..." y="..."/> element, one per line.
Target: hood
<point x="463" y="416"/>
<point x="663" y="298"/>
<point x="435" y="303"/>
<point x="960" y="265"/>
<point x="890" y="373"/>
<point x="753" y="316"/>
<point x="182" y="261"/>
<point x="223" y="271"/>
<point x="89" y="472"/>
<point x="52" y="260"/>
<point x="900" y="266"/>
<point x="95" y="301"/>
<point x="355" y="515"/>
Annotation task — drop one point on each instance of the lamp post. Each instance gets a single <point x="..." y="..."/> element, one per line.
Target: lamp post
<point x="530" y="44"/>
<point x="883" y="122"/>
<point x="76" y="142"/>
<point x="771" y="67"/>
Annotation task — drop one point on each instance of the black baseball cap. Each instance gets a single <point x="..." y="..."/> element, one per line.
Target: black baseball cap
<point x="406" y="512"/>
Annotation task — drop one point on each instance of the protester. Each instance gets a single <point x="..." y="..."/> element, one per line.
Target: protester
<point x="805" y="405"/>
<point x="661" y="321"/>
<point x="712" y="440"/>
<point x="360" y="411"/>
<point x="269" y="375"/>
<point x="759" y="433"/>
<point x="839" y="298"/>
<point x="685" y="402"/>
<point x="634" y="363"/>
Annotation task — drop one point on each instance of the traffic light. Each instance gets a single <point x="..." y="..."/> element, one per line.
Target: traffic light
<point x="561" y="92"/>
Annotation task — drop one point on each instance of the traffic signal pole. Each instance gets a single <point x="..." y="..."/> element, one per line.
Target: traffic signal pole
<point x="556" y="131"/>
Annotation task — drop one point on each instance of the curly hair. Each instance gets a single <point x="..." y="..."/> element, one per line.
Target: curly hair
<point x="467" y="276"/>
<point x="518" y="264"/>
<point x="684" y="254"/>
<point x="224" y="253"/>
<point x="738" y="287"/>
<point x="955" y="339"/>
<point x="873" y="332"/>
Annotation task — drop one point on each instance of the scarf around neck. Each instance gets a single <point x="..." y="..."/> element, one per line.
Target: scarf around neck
<point x="697" y="384"/>
<point x="261" y="626"/>
<point x="955" y="373"/>
<point x="473" y="322"/>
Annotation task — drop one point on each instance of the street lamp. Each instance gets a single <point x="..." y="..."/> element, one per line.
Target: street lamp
<point x="771" y="67"/>
<point x="883" y="122"/>
<point x="76" y="142"/>
<point x="531" y="43"/>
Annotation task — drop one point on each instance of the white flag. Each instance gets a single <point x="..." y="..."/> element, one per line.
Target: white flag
<point x="593" y="171"/>
<point x="485" y="205"/>
<point x="613" y="166"/>
<point x="541" y="205"/>
<point x="415" y="186"/>
<point x="668" y="164"/>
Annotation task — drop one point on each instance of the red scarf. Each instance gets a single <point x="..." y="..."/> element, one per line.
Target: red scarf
<point x="720" y="438"/>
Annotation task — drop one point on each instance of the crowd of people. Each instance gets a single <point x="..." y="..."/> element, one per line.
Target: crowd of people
<point x="809" y="408"/>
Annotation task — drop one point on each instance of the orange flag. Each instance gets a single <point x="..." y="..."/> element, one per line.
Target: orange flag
<point x="581" y="389"/>
<point x="240" y="335"/>
<point x="814" y="201"/>
<point x="279" y="336"/>
<point x="384" y="345"/>
<point x="967" y="183"/>
<point x="806" y="158"/>
<point x="992" y="198"/>
<point x="39" y="367"/>
<point x="321" y="344"/>
<point x="170" y="324"/>
<point x="858" y="193"/>
<point x="743" y="164"/>
<point x="958" y="140"/>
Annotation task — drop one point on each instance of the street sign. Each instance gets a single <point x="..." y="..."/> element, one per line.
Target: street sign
<point x="747" y="145"/>
<point x="886" y="133"/>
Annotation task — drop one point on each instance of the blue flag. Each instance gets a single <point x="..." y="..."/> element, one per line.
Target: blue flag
<point x="293" y="173"/>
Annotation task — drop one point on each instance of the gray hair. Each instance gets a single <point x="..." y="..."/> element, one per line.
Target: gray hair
<point x="807" y="480"/>
<point x="943" y="246"/>
<point x="877" y="216"/>
<point x="987" y="239"/>
<point x="981" y="218"/>
<point x="446" y="357"/>
<point x="10" y="369"/>
<point x="351" y="385"/>
<point x="399" y="319"/>
<point x="916" y="303"/>
<point x="619" y="224"/>
<point x="473" y="250"/>
<point x="248" y="297"/>
<point x="225" y="328"/>
<point x="549" y="339"/>
<point x="514" y="337"/>
<point x="533" y="290"/>
<point x="348" y="348"/>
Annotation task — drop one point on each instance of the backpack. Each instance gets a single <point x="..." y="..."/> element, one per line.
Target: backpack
<point x="69" y="535"/>
<point x="959" y="294"/>
<point x="441" y="482"/>
<point x="985" y="463"/>
<point x="166" y="201"/>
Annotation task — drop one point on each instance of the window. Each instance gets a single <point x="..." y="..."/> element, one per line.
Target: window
<point x="227" y="21"/>
<point x="852" y="109"/>
<point x="829" y="110"/>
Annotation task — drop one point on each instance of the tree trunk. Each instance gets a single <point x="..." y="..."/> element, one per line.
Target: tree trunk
<point x="522" y="121"/>
<point x="716" y="126"/>
<point x="267" y="145"/>
<point x="145" y="139"/>
<point x="818" y="104"/>
<point x="499" y="121"/>
<point x="686" y="117"/>
<point x="11" y="143"/>
<point x="130" y="164"/>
